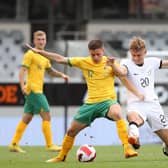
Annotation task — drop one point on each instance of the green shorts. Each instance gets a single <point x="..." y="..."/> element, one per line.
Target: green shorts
<point x="89" y="112"/>
<point x="35" y="103"/>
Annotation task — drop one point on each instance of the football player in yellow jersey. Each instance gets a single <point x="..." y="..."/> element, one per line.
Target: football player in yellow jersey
<point x="34" y="66"/>
<point x="101" y="100"/>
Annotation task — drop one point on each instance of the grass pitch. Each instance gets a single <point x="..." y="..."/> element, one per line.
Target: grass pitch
<point x="150" y="156"/>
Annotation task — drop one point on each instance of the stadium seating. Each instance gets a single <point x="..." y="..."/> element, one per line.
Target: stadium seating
<point x="11" y="50"/>
<point x="11" y="53"/>
<point x="154" y="40"/>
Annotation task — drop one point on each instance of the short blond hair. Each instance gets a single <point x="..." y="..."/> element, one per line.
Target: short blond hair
<point x="39" y="33"/>
<point x="137" y="44"/>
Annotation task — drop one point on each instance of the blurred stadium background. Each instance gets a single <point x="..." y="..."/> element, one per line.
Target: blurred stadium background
<point x="70" y="24"/>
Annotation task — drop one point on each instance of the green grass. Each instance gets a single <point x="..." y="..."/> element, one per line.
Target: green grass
<point x="107" y="157"/>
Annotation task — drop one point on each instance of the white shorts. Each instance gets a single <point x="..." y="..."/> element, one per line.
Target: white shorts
<point x="151" y="112"/>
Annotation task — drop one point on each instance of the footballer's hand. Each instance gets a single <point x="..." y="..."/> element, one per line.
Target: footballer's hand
<point x="35" y="50"/>
<point x="65" y="77"/>
<point x="141" y="97"/>
<point x="24" y="90"/>
<point x="110" y="61"/>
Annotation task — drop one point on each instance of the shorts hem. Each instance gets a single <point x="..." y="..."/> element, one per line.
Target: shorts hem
<point x="82" y="121"/>
<point x="158" y="129"/>
<point x="141" y="115"/>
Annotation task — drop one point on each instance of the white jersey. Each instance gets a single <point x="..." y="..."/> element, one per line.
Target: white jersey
<point x="143" y="78"/>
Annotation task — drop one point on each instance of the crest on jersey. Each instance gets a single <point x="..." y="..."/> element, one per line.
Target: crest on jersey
<point x="135" y="74"/>
<point x="39" y="66"/>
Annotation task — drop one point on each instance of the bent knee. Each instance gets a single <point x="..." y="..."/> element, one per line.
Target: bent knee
<point x="27" y="120"/>
<point x="115" y="115"/>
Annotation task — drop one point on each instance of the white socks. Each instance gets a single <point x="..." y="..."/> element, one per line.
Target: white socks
<point x="133" y="129"/>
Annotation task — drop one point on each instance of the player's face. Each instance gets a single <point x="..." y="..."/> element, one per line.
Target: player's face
<point x="40" y="42"/>
<point x="138" y="56"/>
<point x="97" y="55"/>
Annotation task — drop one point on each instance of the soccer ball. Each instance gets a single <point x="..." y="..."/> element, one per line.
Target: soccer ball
<point x="86" y="153"/>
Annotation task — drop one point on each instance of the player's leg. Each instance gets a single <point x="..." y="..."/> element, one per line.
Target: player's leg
<point x="46" y="128"/>
<point x="41" y="107"/>
<point x="163" y="134"/>
<point x="27" y="117"/>
<point x="115" y="114"/>
<point x="135" y="121"/>
<point x="165" y="145"/>
<point x="68" y="141"/>
<point x="81" y="120"/>
<point x="159" y="124"/>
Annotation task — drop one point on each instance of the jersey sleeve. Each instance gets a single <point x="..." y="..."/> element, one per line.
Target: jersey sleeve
<point x="75" y="61"/>
<point x="123" y="62"/>
<point x="156" y="62"/>
<point x="27" y="59"/>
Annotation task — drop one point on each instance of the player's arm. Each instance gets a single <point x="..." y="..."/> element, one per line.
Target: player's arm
<point x="22" y="73"/>
<point x="126" y="82"/>
<point x="118" y="70"/>
<point x="164" y="64"/>
<point x="53" y="72"/>
<point x="50" y="55"/>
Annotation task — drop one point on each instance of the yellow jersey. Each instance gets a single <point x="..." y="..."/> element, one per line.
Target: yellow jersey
<point x="36" y="65"/>
<point x="99" y="78"/>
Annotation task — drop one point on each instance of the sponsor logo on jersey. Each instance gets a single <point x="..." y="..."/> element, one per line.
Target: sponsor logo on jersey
<point x="135" y="74"/>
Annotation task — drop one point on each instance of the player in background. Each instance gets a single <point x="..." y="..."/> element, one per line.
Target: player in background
<point x="33" y="68"/>
<point x="140" y="72"/>
<point x="101" y="102"/>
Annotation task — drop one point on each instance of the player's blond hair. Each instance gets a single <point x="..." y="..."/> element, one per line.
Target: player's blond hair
<point x="95" y="44"/>
<point x="137" y="44"/>
<point x="39" y="33"/>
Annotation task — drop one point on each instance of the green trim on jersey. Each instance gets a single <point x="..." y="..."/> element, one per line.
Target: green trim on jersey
<point x="69" y="62"/>
<point x="24" y="66"/>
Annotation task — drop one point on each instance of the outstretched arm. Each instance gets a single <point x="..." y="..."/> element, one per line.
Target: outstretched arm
<point x="53" y="72"/>
<point x="50" y="55"/>
<point x="118" y="70"/>
<point x="164" y="64"/>
<point x="131" y="87"/>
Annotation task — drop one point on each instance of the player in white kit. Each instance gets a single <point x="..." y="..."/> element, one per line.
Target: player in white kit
<point x="145" y="106"/>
